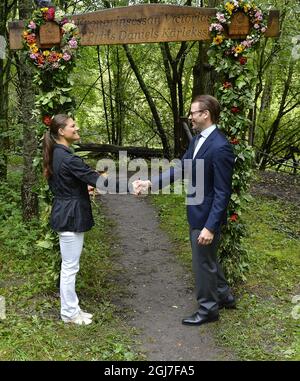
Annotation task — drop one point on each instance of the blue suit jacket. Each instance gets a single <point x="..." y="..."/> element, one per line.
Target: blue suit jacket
<point x="218" y="161"/>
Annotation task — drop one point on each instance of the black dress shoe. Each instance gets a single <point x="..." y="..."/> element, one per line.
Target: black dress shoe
<point x="198" y="319"/>
<point x="228" y="302"/>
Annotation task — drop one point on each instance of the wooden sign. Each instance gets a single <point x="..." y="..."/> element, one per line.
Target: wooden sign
<point x="145" y="23"/>
<point x="240" y="25"/>
<point x="49" y="35"/>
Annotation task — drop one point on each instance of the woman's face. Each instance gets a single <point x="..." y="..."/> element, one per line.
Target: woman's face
<point x="70" y="132"/>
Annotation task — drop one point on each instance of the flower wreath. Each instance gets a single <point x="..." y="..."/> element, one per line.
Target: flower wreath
<point x="54" y="58"/>
<point x="223" y="18"/>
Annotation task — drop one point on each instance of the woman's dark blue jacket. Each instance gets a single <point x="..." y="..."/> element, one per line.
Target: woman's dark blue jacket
<point x="71" y="209"/>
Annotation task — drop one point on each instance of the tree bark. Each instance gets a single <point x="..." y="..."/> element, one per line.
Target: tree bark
<point x="27" y="98"/>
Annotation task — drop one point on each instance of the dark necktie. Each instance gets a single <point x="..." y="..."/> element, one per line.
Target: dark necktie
<point x="197" y="140"/>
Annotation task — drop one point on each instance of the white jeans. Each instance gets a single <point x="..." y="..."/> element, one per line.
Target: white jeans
<point x="71" y="244"/>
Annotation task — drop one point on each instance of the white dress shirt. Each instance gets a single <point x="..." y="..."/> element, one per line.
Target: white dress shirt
<point x="204" y="135"/>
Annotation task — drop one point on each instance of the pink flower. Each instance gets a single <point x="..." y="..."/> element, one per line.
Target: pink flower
<point x="247" y="43"/>
<point x="33" y="56"/>
<point x="64" y="21"/>
<point x="220" y="16"/>
<point x="263" y="29"/>
<point x="256" y="26"/>
<point x="66" y="56"/>
<point x="217" y="27"/>
<point x="73" y="43"/>
<point x="32" y="25"/>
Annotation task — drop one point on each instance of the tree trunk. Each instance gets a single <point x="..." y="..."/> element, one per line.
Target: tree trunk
<point x="156" y="117"/>
<point x="103" y="95"/>
<point x="119" y="98"/>
<point x="204" y="76"/>
<point x="5" y="65"/>
<point x="174" y="72"/>
<point x="112" y="111"/>
<point x="267" y="144"/>
<point x="27" y="98"/>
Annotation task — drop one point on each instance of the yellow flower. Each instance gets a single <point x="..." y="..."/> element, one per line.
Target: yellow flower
<point x="46" y="53"/>
<point x="25" y="33"/>
<point x="44" y="9"/>
<point x="218" y="39"/>
<point x="229" y="7"/>
<point x="246" y="8"/>
<point x="239" y="49"/>
<point x="34" y="48"/>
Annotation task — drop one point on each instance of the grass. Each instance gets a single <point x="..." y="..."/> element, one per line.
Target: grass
<point x="264" y="327"/>
<point x="32" y="329"/>
<point x="266" y="324"/>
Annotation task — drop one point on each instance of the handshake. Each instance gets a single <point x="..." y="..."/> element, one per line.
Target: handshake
<point x="141" y="186"/>
<point x="138" y="187"/>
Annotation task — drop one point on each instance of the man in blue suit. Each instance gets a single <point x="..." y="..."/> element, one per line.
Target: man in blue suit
<point x="205" y="218"/>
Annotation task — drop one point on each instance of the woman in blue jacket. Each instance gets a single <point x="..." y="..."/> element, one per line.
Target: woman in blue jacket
<point x="68" y="177"/>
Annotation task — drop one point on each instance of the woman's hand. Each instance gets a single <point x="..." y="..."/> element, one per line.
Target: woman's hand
<point x="91" y="190"/>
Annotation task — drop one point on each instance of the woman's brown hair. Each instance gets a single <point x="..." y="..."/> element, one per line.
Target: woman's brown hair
<point x="50" y="137"/>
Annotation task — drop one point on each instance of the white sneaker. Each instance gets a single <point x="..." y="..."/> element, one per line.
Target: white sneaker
<point x="86" y="314"/>
<point x="79" y="320"/>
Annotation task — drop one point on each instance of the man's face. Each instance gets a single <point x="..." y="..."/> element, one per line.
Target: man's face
<point x="198" y="116"/>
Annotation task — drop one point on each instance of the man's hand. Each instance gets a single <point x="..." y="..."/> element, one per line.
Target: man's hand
<point x="140" y="186"/>
<point x="205" y="237"/>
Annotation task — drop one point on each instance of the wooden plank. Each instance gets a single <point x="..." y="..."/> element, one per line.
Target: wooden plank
<point x="142" y="24"/>
<point x="273" y="24"/>
<point x="240" y="25"/>
<point x="49" y="35"/>
<point x="15" y="34"/>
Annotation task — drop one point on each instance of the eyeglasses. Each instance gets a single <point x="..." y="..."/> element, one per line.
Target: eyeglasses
<point x="194" y="112"/>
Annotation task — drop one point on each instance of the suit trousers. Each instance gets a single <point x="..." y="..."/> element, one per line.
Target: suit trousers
<point x="211" y="285"/>
<point x="71" y="245"/>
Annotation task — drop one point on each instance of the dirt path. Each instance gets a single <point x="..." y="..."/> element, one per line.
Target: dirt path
<point x="159" y="289"/>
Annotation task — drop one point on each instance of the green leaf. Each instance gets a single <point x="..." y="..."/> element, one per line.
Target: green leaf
<point x="62" y="99"/>
<point x="45" y="244"/>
